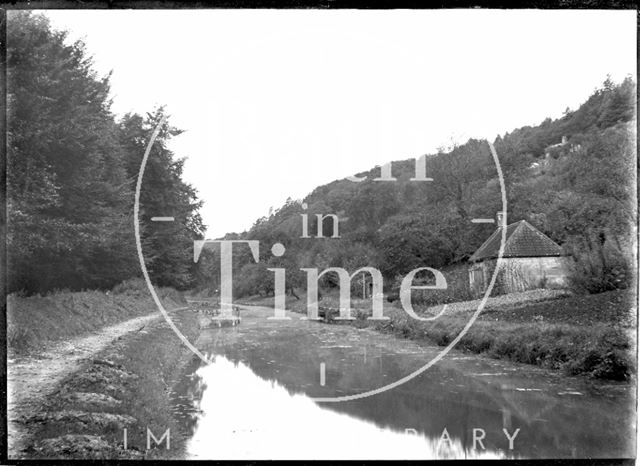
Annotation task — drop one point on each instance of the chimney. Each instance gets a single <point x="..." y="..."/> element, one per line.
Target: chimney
<point x="499" y="219"/>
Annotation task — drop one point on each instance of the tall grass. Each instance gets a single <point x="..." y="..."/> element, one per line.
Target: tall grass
<point x="34" y="321"/>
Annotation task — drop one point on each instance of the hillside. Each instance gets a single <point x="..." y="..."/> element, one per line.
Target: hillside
<point x="573" y="178"/>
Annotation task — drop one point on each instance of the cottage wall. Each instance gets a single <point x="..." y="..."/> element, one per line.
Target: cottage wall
<point x="528" y="273"/>
<point x="519" y="274"/>
<point x="478" y="278"/>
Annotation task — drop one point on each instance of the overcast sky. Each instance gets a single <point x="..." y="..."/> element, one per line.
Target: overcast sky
<point x="275" y="103"/>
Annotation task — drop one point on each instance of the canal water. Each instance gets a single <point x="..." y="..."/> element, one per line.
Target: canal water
<point x="253" y="400"/>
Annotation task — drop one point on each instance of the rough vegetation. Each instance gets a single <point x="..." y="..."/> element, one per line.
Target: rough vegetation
<point x="617" y="308"/>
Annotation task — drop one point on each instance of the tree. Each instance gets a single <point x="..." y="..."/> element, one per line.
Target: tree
<point x="71" y="171"/>
<point x="167" y="246"/>
<point x="67" y="188"/>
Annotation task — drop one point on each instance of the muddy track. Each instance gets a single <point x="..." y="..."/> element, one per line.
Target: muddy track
<point x="30" y="380"/>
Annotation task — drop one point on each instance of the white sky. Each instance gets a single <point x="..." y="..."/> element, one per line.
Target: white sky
<point x="275" y="103"/>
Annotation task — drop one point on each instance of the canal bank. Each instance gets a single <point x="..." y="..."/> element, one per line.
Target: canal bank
<point x="255" y="399"/>
<point x="117" y="400"/>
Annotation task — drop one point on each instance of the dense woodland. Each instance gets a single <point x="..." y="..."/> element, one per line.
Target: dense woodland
<point x="581" y="193"/>
<point x="72" y="169"/>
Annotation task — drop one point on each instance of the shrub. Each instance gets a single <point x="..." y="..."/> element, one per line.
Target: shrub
<point x="478" y="341"/>
<point x="19" y="338"/>
<point x="253" y="279"/>
<point x="132" y="287"/>
<point x="599" y="263"/>
<point x="457" y="288"/>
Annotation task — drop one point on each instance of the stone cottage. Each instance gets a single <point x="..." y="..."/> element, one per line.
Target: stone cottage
<point x="531" y="260"/>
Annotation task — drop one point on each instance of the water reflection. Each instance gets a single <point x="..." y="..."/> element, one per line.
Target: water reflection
<point x="246" y="417"/>
<point x="186" y="398"/>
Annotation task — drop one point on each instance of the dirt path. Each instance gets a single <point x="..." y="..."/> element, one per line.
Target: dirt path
<point x="31" y="379"/>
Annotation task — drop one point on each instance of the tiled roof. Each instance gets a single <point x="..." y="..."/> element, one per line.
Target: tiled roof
<point x="523" y="240"/>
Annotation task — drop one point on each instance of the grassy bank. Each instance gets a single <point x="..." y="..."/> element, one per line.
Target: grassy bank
<point x="128" y="385"/>
<point x="580" y="335"/>
<point x="35" y="321"/>
<point x="592" y="335"/>
<point x="600" y="350"/>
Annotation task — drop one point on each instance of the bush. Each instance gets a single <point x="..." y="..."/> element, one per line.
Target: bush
<point x="253" y="279"/>
<point x="599" y="263"/>
<point x="457" y="288"/>
<point x="131" y="287"/>
<point x="137" y="288"/>
<point x="19" y="339"/>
